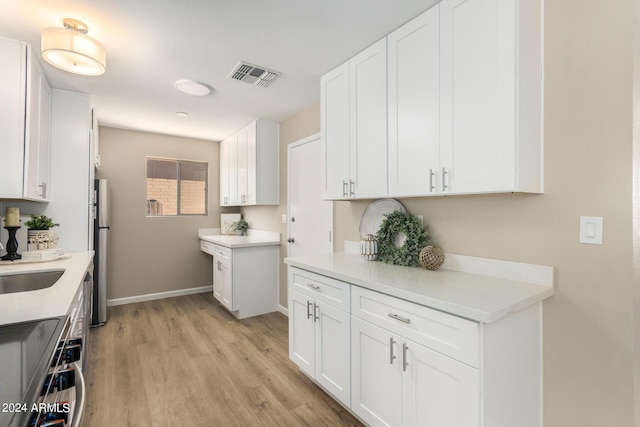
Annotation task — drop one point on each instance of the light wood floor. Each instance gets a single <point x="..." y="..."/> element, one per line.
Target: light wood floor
<point x="187" y="362"/>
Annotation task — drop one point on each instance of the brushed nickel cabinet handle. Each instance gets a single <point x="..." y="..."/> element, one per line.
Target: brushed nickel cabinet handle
<point x="444" y="179"/>
<point x="404" y="356"/>
<point x="312" y="286"/>
<point x="309" y="303"/>
<point x="352" y="188"/>
<point x="316" y="308"/>
<point x="344" y="189"/>
<point x="44" y="190"/>
<point x="402" y="319"/>
<point x="391" y="355"/>
<point x="432" y="185"/>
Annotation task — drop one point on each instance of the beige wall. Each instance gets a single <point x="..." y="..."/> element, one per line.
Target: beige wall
<point x="588" y="324"/>
<point x="269" y="218"/>
<point x="149" y="255"/>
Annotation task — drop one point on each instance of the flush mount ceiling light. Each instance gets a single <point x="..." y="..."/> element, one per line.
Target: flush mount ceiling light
<point x="191" y="87"/>
<point x="72" y="50"/>
<point x="182" y="114"/>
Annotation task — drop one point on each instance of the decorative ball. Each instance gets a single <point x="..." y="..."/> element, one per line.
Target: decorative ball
<point x="431" y="257"/>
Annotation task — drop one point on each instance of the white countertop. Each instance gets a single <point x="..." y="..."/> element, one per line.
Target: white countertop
<point x="253" y="238"/>
<point x="477" y="297"/>
<point x="49" y="302"/>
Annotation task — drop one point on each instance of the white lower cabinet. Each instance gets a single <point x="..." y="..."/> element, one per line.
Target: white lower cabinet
<point x="245" y="279"/>
<point x="406" y="364"/>
<point x="398" y="382"/>
<point x="319" y="331"/>
<point x="222" y="284"/>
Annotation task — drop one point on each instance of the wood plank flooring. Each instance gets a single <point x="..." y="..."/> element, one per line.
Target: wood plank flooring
<point x="186" y="361"/>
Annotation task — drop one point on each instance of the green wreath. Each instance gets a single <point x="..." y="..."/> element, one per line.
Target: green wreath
<point x="417" y="238"/>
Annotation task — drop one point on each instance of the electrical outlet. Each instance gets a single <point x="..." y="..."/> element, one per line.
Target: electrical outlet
<point x="284" y="218"/>
<point x="421" y="219"/>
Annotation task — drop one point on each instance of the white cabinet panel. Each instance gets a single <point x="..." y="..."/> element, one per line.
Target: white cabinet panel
<point x="333" y="343"/>
<point x="354" y="126"/>
<point x="368" y="127"/>
<point x="319" y="332"/>
<point x="25" y="123"/>
<point x="249" y="159"/>
<point x="376" y="374"/>
<point x="334" y="95"/>
<point x="438" y="391"/>
<point x="479" y="101"/>
<point x="414" y="106"/>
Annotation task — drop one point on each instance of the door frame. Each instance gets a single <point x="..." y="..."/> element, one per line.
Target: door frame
<point x="291" y="146"/>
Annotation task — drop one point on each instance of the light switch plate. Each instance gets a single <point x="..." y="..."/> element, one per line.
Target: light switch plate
<point x="591" y="230"/>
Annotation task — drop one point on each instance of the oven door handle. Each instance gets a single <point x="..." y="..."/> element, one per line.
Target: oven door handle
<point x="80" y="396"/>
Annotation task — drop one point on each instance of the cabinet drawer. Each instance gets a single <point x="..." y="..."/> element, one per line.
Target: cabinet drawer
<point x="207" y="247"/>
<point x="450" y="335"/>
<point x="221" y="251"/>
<point x="322" y="288"/>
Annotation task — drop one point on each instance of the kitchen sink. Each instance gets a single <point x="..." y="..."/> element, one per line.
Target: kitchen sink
<point x="23" y="282"/>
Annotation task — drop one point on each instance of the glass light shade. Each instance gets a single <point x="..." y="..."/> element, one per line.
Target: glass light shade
<point x="73" y="51"/>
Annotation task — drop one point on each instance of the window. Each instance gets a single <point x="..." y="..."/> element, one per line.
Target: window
<point x="176" y="187"/>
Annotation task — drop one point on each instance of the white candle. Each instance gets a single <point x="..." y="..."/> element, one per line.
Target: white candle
<point x="12" y="217"/>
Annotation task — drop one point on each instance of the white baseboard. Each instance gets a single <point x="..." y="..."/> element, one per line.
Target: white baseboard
<point x="159" y="295"/>
<point x="283" y="310"/>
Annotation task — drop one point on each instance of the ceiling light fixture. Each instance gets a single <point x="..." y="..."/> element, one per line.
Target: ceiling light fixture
<point x="182" y="114"/>
<point x="72" y="50"/>
<point x="191" y="87"/>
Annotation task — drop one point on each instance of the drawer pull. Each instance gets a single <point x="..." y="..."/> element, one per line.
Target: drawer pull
<point x="391" y="355"/>
<point x="402" y="319"/>
<point x="314" y="287"/>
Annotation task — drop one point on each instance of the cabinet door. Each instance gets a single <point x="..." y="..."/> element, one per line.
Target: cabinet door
<point x="368" y="127"/>
<point x="227" y="284"/>
<point x="301" y="331"/>
<point x="478" y="97"/>
<point x="438" y="391"/>
<point x="242" y="162"/>
<point x="224" y="172"/>
<point x="334" y="101"/>
<point x="251" y="191"/>
<point x="376" y="374"/>
<point x="414" y="106"/>
<point x="232" y="156"/>
<point x="332" y="355"/>
<point x="12" y="116"/>
<point x="218" y="279"/>
<point x="37" y="142"/>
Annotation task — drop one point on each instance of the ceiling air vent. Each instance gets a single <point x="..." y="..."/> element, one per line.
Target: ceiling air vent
<point x="253" y="74"/>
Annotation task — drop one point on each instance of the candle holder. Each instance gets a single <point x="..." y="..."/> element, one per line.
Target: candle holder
<point x="12" y="245"/>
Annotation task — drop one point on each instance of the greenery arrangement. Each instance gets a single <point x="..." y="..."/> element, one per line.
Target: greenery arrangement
<point x="40" y="222"/>
<point x="417" y="238"/>
<point x="240" y="225"/>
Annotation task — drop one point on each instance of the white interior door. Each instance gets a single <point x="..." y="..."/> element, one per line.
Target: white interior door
<point x="310" y="227"/>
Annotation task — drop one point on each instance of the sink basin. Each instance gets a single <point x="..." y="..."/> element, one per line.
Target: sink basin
<point x="23" y="282"/>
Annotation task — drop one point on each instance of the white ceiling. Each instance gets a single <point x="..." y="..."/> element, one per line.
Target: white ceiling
<point x="152" y="43"/>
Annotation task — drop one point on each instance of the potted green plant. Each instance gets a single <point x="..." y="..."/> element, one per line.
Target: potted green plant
<point x="240" y="227"/>
<point x="38" y="234"/>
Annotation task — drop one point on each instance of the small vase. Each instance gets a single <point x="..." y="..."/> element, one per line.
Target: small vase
<point x="369" y="248"/>
<point x="239" y="233"/>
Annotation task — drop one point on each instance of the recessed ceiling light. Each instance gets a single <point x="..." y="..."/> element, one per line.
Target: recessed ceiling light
<point x="191" y="87"/>
<point x="182" y="114"/>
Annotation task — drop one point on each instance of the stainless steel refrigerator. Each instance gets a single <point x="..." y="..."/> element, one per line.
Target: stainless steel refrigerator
<point x="100" y="246"/>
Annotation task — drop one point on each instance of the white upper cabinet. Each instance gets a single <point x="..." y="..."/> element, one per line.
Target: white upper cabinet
<point x="354" y="126"/>
<point x="491" y="98"/>
<point x="464" y="106"/>
<point x="249" y="166"/>
<point x="414" y="106"/>
<point x="25" y="122"/>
